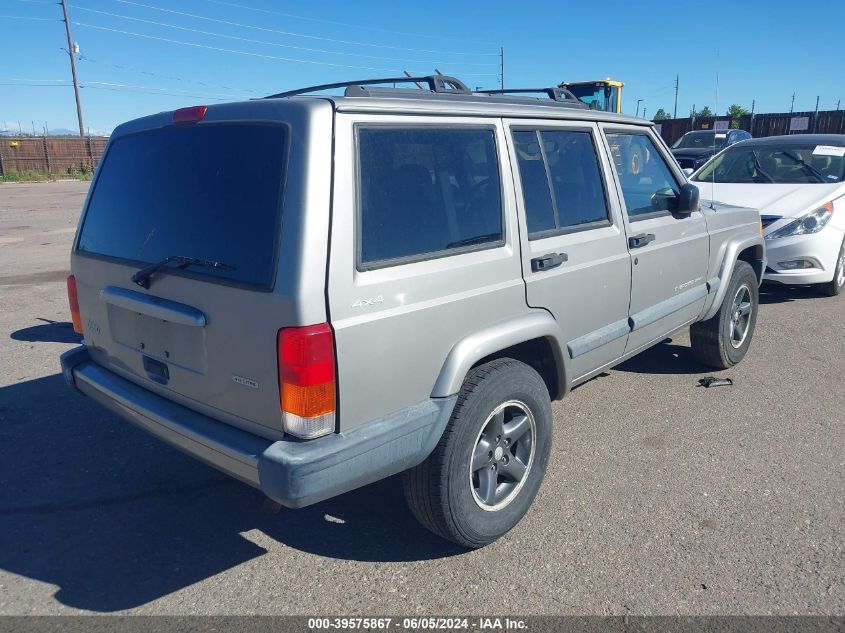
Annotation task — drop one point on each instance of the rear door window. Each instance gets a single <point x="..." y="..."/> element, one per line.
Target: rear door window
<point x="210" y="191"/>
<point x="561" y="181"/>
<point x="427" y="192"/>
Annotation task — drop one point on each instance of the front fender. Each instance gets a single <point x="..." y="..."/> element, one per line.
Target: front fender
<point x="478" y="345"/>
<point x="729" y="252"/>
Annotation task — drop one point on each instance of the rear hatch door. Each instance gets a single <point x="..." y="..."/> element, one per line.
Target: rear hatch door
<point x="201" y="335"/>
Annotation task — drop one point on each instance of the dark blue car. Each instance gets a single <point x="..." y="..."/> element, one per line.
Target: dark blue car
<point x="694" y="149"/>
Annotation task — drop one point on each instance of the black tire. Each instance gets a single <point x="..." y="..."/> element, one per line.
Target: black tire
<point x="442" y="491"/>
<point x="835" y="286"/>
<point x="714" y="341"/>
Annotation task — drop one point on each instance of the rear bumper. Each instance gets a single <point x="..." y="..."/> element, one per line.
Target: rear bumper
<point x="294" y="473"/>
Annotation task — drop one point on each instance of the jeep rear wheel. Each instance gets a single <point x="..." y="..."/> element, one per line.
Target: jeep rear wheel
<point x="723" y="340"/>
<point x="484" y="473"/>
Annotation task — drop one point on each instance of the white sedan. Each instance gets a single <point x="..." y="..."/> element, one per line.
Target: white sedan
<point x="798" y="184"/>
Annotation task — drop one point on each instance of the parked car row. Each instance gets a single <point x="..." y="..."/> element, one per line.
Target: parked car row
<point x="695" y="148"/>
<point x="798" y="184"/>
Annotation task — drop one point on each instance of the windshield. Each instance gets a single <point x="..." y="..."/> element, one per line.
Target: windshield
<point x="783" y="164"/>
<point x="597" y="96"/>
<point x="210" y="191"/>
<point x="699" y="140"/>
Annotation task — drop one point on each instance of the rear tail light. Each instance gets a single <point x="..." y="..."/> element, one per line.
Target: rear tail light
<point x="307" y="380"/>
<point x="190" y="115"/>
<point x="73" y="300"/>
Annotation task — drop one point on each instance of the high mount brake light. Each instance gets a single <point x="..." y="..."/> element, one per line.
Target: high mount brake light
<point x="307" y="380"/>
<point x="192" y="114"/>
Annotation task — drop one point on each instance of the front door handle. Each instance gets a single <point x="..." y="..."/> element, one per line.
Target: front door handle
<point x="638" y="241"/>
<point x="547" y="262"/>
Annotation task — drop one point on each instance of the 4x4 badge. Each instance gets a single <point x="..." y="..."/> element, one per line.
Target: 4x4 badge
<point x="361" y="303"/>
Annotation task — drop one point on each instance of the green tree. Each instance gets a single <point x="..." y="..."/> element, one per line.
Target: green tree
<point x="661" y="115"/>
<point x="705" y="112"/>
<point x="735" y="112"/>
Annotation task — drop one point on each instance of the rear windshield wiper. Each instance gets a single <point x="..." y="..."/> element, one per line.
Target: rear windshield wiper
<point x="142" y="277"/>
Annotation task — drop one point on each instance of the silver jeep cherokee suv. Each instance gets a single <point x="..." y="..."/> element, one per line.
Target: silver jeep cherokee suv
<point x="312" y="293"/>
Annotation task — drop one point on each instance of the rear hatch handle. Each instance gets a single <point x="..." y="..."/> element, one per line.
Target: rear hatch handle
<point x="151" y="306"/>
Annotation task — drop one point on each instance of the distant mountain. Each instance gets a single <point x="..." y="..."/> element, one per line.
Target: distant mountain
<point x="62" y="131"/>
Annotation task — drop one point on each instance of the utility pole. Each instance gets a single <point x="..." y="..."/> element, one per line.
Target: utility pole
<point x="692" y="118"/>
<point x="751" y="125"/>
<point x="643" y="112"/>
<point x="502" y="67"/>
<point x="677" y="83"/>
<point x="816" y="116"/>
<point x="792" y="105"/>
<point x="639" y="101"/>
<point x="73" y="69"/>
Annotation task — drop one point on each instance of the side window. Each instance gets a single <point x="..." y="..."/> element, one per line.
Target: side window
<point x="648" y="185"/>
<point x="561" y="180"/>
<point x="425" y="191"/>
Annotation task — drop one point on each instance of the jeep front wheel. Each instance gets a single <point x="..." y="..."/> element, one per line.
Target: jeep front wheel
<point x="722" y="340"/>
<point x="484" y="473"/>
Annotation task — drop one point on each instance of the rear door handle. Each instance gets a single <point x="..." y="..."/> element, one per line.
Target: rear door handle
<point x="547" y="262"/>
<point x="638" y="241"/>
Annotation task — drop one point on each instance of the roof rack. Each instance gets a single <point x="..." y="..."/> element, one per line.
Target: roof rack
<point x="556" y="93"/>
<point x="436" y="83"/>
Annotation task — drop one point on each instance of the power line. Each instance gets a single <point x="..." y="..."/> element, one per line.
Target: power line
<point x="291" y="46"/>
<point x="141" y="71"/>
<point x="294" y="34"/>
<point x="239" y="52"/>
<point x="26" y="17"/>
<point x="166" y="94"/>
<point x="353" y="26"/>
<point x="37" y="85"/>
<point x="109" y="84"/>
<point x="27" y="79"/>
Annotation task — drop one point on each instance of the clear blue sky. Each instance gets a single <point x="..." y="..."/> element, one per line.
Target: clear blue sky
<point x="761" y="49"/>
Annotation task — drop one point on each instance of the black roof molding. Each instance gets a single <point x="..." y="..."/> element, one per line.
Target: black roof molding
<point x="441" y="84"/>
<point x="556" y="93"/>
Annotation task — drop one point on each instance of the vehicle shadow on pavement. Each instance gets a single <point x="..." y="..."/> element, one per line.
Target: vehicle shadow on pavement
<point x="50" y="332"/>
<point x="116" y="519"/>
<point x="666" y="357"/>
<point x="779" y="293"/>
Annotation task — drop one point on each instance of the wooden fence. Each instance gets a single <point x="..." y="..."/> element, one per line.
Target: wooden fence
<point x="52" y="155"/>
<point x="774" y="124"/>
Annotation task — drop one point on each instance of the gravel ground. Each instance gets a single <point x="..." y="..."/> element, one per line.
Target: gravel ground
<point x="661" y="497"/>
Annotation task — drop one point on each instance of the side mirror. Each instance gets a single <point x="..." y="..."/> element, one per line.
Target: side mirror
<point x="688" y="171"/>
<point x="687" y="199"/>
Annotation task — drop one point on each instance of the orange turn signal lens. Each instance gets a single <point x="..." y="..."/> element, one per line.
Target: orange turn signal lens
<point x="308" y="402"/>
<point x="73" y="300"/>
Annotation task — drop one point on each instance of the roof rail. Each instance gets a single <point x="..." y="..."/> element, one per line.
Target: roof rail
<point x="555" y="93"/>
<point x="436" y="83"/>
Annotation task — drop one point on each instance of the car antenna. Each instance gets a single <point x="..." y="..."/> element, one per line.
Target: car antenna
<point x="715" y="118"/>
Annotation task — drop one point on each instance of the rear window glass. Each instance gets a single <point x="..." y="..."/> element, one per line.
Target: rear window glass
<point x="210" y="191"/>
<point x="561" y="181"/>
<point x="426" y="192"/>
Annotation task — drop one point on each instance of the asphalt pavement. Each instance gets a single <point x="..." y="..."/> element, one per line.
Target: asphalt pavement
<point x="662" y="497"/>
